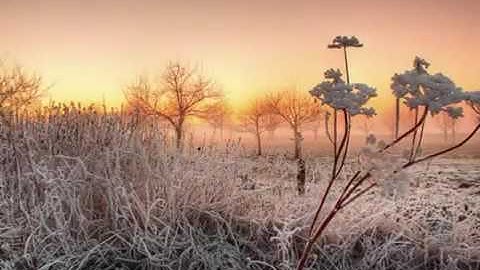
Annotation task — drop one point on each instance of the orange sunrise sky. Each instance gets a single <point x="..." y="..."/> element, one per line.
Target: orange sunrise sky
<point x="91" y="49"/>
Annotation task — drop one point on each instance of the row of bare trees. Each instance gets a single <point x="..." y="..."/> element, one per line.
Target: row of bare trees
<point x="181" y="94"/>
<point x="257" y="119"/>
<point x="265" y="113"/>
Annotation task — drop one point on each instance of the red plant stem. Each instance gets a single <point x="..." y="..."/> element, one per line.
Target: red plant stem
<point x="345" y="199"/>
<point x="357" y="195"/>
<point x="408" y="132"/>
<point x="475" y="108"/>
<point x="410" y="163"/>
<point x="360" y="182"/>
<point x="334" y="169"/>
<point x="319" y="209"/>
<point x="338" y="206"/>
<point x="345" y="143"/>
<point x="414" y="137"/>
<point x="311" y="240"/>
<point x="350" y="182"/>
<point x="335" y="130"/>
<point x="342" y="147"/>
<point x="420" y="140"/>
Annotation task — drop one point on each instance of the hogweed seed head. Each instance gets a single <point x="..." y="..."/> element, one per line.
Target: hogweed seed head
<point x="344" y="41"/>
<point x="337" y="94"/>
<point x="437" y="92"/>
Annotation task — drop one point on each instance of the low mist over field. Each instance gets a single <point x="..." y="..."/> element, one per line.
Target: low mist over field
<point x="261" y="135"/>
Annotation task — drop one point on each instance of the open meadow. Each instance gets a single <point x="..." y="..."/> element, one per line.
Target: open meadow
<point x="240" y="135"/>
<point x="87" y="191"/>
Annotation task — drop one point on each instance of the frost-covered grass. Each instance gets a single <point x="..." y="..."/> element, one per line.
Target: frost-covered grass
<point x="87" y="191"/>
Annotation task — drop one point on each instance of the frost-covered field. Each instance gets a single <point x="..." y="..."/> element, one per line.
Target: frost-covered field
<point x="112" y="200"/>
<point x="92" y="188"/>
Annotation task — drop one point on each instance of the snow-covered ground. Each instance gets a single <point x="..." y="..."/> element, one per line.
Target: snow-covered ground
<point x="133" y="205"/>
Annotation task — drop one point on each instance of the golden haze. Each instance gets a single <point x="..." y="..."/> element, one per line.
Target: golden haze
<point x="90" y="49"/>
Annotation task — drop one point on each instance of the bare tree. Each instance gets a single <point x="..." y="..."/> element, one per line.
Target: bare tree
<point x="365" y="124"/>
<point x="18" y="91"/>
<point x="316" y="126"/>
<point x="296" y="109"/>
<point x="443" y="123"/>
<point x="256" y="119"/>
<point x="181" y="93"/>
<point x="273" y="122"/>
<point x="448" y="126"/>
<point x="219" y="116"/>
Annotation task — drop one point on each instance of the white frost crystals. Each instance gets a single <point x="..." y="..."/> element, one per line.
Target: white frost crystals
<point x="435" y="92"/>
<point x="345" y="41"/>
<point x="385" y="168"/>
<point x="342" y="96"/>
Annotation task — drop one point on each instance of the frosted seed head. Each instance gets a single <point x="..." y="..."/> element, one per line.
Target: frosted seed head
<point x="437" y="92"/>
<point x="345" y="41"/>
<point x="335" y="93"/>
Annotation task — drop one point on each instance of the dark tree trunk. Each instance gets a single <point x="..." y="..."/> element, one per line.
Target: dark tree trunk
<point x="179" y="137"/>
<point x="298" y="145"/>
<point x="301" y="176"/>
<point x="258" y="136"/>
<point x="259" y="144"/>
<point x="300" y="163"/>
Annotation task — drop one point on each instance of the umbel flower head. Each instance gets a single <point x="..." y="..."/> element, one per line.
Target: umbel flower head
<point x="436" y="92"/>
<point x="344" y="41"/>
<point x="337" y="94"/>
